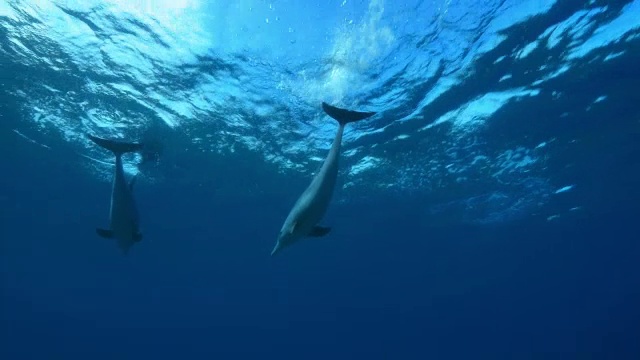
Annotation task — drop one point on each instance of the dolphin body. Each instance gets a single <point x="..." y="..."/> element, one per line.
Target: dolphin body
<point x="124" y="222"/>
<point x="314" y="201"/>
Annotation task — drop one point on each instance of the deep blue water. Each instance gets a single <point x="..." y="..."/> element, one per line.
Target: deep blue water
<point x="489" y="210"/>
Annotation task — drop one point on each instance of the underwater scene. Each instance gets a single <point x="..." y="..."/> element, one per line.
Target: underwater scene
<point x="338" y="179"/>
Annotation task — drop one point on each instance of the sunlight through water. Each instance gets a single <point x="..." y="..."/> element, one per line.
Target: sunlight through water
<point x="231" y="82"/>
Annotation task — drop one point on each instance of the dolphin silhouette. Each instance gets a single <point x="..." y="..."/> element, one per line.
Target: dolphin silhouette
<point x="123" y="217"/>
<point x="311" y="206"/>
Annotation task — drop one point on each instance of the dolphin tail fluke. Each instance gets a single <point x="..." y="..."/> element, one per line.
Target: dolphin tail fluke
<point x="344" y="116"/>
<point x="117" y="147"/>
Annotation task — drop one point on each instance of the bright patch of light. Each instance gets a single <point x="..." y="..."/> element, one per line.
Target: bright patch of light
<point x="564" y="189"/>
<point x="600" y="98"/>
<point x="473" y="114"/>
<point x="355" y="50"/>
<point x="527" y="50"/>
<point x="614" y="55"/>
<point x="611" y="32"/>
<point x="366" y="163"/>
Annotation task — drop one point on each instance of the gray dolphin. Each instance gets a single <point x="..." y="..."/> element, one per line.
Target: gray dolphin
<point x="123" y="215"/>
<point x="311" y="206"/>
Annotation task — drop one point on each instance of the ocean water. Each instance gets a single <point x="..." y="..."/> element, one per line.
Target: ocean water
<point x="488" y="211"/>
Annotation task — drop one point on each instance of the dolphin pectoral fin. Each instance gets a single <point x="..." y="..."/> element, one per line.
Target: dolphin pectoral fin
<point x="107" y="234"/>
<point x="137" y="237"/>
<point x="319" y="231"/>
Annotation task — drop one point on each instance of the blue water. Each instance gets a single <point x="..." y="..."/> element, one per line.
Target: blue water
<point x="489" y="210"/>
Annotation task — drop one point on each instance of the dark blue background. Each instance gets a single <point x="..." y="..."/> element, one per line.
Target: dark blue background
<point x="387" y="283"/>
<point x="382" y="286"/>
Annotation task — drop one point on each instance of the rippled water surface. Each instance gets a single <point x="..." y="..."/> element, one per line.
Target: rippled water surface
<point x="480" y="102"/>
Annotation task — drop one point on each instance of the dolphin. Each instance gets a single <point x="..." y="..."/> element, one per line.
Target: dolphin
<point x="311" y="206"/>
<point x="123" y="214"/>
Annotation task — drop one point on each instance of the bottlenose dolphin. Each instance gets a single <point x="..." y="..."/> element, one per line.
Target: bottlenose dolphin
<point x="311" y="206"/>
<point x="123" y="215"/>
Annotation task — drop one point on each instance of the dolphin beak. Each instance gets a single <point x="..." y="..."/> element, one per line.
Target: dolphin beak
<point x="276" y="248"/>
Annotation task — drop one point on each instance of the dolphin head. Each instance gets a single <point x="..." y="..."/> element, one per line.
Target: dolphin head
<point x="125" y="246"/>
<point x="276" y="248"/>
<point x="285" y="238"/>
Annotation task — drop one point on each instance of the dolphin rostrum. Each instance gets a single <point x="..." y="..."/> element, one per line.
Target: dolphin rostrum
<point x="124" y="215"/>
<point x="311" y="206"/>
